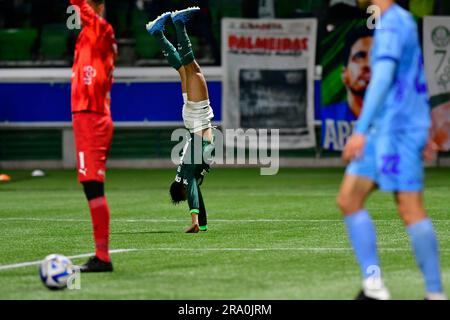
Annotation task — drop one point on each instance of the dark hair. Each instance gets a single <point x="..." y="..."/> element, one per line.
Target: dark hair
<point x="352" y="38"/>
<point x="177" y="192"/>
<point x="98" y="2"/>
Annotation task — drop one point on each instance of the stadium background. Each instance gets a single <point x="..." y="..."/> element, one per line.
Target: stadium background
<point x="36" y="52"/>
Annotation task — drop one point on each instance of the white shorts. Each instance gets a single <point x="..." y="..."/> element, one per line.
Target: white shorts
<point x="197" y="115"/>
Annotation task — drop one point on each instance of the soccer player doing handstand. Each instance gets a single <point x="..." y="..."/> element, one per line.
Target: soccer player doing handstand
<point x="197" y="114"/>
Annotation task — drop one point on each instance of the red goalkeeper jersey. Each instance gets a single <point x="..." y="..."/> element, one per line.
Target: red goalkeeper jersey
<point x="92" y="71"/>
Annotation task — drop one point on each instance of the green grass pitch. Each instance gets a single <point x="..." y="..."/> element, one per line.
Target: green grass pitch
<point x="270" y="237"/>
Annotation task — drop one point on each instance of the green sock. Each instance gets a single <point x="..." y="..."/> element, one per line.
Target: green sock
<point x="168" y="50"/>
<point x="184" y="44"/>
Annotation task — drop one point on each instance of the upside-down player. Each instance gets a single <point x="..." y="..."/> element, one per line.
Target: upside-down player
<point x="197" y="114"/>
<point x="92" y="76"/>
<point x="387" y="149"/>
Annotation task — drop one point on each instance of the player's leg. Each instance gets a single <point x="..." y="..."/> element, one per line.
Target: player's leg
<point x="93" y="136"/>
<point x="196" y="86"/>
<point x="402" y="172"/>
<point x="353" y="193"/>
<point x="156" y="29"/>
<point x="195" y="81"/>
<point x="182" y="73"/>
<point x="357" y="185"/>
<point x="362" y="235"/>
<point x="423" y="240"/>
<point x="100" y="216"/>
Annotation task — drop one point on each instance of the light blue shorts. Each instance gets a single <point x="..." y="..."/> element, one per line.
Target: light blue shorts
<point x="399" y="160"/>
<point x="365" y="166"/>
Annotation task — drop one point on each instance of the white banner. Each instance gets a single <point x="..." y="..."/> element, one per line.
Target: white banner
<point x="436" y="38"/>
<point x="268" y="80"/>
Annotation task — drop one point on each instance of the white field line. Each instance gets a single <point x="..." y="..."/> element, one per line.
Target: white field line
<point x="35" y="263"/>
<point x="168" y="220"/>
<point x="302" y="249"/>
<point x="200" y="250"/>
<point x="211" y="220"/>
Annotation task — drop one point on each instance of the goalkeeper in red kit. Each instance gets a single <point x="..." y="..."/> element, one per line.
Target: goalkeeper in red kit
<point x="92" y="76"/>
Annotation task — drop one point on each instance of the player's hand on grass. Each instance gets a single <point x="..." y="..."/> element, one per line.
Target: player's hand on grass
<point x="354" y="147"/>
<point x="193" y="229"/>
<point x="430" y="150"/>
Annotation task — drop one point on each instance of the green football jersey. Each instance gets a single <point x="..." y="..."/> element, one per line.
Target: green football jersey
<point x="191" y="174"/>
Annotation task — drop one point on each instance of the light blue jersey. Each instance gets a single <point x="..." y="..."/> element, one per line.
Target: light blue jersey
<point x="396" y="105"/>
<point x="395" y="121"/>
<point x="406" y="106"/>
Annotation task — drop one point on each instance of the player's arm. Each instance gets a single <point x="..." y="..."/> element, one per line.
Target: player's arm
<point x="89" y="17"/>
<point x="387" y="52"/>
<point x="382" y="79"/>
<point x="388" y="49"/>
<point x="192" y="193"/>
<point x="383" y="75"/>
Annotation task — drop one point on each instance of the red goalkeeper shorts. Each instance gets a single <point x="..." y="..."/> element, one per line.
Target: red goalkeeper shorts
<point x="93" y="136"/>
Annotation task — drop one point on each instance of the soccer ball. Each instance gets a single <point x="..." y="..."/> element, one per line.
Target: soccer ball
<point x="55" y="271"/>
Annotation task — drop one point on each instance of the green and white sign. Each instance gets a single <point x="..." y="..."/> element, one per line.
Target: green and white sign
<point x="436" y="38"/>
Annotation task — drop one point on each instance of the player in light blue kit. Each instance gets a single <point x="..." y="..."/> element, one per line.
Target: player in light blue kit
<point x="387" y="149"/>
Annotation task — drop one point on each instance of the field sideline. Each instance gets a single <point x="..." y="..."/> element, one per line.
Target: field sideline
<point x="270" y="237"/>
